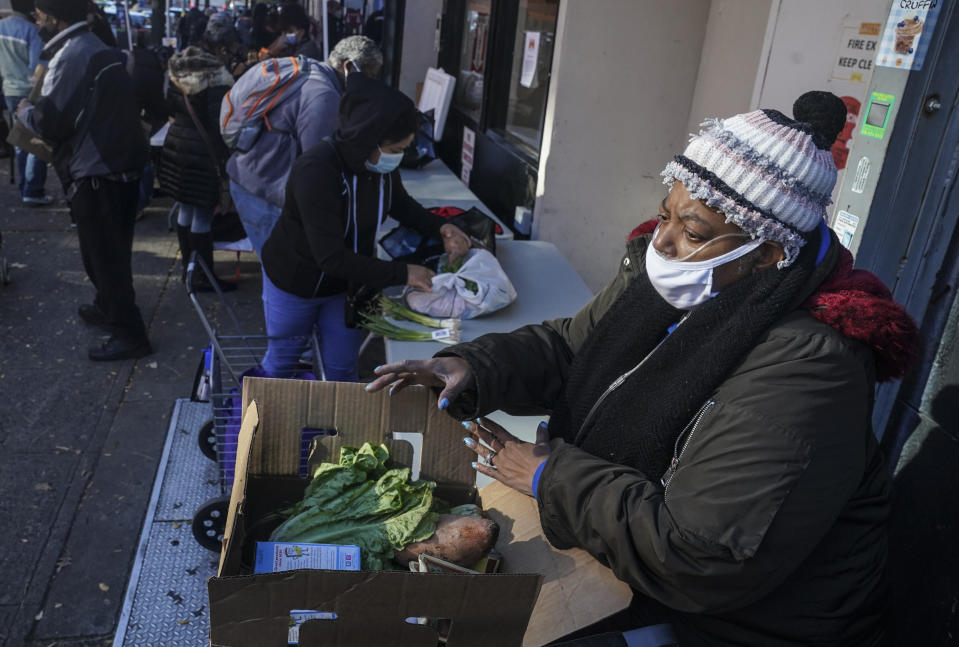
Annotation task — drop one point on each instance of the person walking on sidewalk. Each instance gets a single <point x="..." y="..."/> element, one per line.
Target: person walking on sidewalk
<point x="194" y="153"/>
<point x="87" y="109"/>
<point x="300" y="122"/>
<point x="20" y="46"/>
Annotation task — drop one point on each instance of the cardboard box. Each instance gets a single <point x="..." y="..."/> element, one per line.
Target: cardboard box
<point x="372" y="608"/>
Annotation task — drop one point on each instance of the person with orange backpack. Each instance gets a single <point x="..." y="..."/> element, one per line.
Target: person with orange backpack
<point x="277" y="110"/>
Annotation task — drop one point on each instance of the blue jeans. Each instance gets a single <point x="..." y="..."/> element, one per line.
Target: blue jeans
<point x="257" y="215"/>
<point x="288" y="316"/>
<point x="198" y="219"/>
<point x="146" y="187"/>
<point x="31" y="170"/>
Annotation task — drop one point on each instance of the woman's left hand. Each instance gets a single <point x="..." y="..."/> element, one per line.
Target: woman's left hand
<point x="456" y="242"/>
<point x="505" y="457"/>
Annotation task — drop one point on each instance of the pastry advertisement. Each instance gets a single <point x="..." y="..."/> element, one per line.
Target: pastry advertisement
<point x="907" y="33"/>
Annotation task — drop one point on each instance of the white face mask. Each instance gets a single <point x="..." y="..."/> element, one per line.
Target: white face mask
<point x="387" y="163"/>
<point x="687" y="284"/>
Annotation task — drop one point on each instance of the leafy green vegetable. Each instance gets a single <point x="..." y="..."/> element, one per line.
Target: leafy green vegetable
<point x="470" y="285"/>
<point x="454" y="267"/>
<point x="362" y="502"/>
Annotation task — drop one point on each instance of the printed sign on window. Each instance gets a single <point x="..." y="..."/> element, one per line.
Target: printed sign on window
<point x="530" y="58"/>
<point x="857" y="49"/>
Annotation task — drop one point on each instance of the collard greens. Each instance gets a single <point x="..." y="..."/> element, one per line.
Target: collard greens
<point x="362" y="502"/>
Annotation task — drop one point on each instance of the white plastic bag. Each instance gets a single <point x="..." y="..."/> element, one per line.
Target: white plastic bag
<point x="453" y="293"/>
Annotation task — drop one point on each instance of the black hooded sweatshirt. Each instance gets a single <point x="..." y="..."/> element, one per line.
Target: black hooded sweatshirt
<point x="326" y="235"/>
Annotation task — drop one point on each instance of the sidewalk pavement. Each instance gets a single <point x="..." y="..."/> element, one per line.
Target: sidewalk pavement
<point x="80" y="441"/>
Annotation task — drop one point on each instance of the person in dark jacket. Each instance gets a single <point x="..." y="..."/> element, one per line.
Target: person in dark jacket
<point x="151" y="104"/>
<point x="295" y="38"/>
<point x="244" y="28"/>
<point x="300" y="120"/>
<point x="148" y="84"/>
<point x="261" y="33"/>
<point x="99" y="25"/>
<point x="709" y="435"/>
<point x="221" y="39"/>
<point x="194" y="154"/>
<point x="338" y="195"/>
<point x="191" y="27"/>
<point x="87" y="110"/>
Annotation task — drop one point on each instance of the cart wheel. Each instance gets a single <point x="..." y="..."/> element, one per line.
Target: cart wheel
<point x="206" y="439"/>
<point x="209" y="522"/>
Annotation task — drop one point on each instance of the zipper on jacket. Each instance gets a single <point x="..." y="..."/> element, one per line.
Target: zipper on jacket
<point x="618" y="382"/>
<point x="677" y="452"/>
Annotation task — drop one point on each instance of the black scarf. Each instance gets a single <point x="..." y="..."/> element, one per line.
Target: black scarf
<point x="637" y="425"/>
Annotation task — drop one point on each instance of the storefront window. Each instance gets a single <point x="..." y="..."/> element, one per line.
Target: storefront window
<point x="529" y="81"/>
<point x="469" y="84"/>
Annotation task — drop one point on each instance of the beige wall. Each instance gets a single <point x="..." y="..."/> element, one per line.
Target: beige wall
<point x="624" y="75"/>
<point x="732" y="59"/>
<point x="631" y="79"/>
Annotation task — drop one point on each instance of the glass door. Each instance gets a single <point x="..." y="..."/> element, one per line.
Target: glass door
<point x="470" y="80"/>
<point x="529" y="73"/>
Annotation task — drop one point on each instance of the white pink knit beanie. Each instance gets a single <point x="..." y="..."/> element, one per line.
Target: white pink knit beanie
<point x="770" y="175"/>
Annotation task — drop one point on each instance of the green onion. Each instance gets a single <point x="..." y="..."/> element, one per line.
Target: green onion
<point x="380" y="326"/>
<point x="398" y="311"/>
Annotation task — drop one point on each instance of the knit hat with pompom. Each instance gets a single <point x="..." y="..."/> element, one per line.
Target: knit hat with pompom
<point x="770" y="175"/>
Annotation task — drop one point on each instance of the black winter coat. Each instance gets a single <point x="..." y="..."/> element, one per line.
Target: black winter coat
<point x="768" y="528"/>
<point x="326" y="235"/>
<point x="187" y="171"/>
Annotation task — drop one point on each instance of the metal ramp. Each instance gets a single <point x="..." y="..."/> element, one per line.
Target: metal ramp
<point x="166" y="598"/>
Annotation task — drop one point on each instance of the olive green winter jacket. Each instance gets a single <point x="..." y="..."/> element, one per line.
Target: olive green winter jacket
<point x="768" y="530"/>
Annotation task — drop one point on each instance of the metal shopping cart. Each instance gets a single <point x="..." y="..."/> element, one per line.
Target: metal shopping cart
<point x="219" y="380"/>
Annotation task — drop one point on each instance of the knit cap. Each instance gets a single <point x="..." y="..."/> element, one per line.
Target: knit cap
<point x="770" y="175"/>
<point x="219" y="29"/>
<point x="69" y="11"/>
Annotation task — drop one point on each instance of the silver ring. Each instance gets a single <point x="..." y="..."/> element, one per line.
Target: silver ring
<point x="490" y="457"/>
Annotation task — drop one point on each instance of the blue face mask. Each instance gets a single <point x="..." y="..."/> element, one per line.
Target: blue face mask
<point x="291" y="39"/>
<point x="387" y="163"/>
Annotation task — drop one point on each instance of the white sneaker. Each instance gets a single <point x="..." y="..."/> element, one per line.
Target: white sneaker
<point x="40" y="201"/>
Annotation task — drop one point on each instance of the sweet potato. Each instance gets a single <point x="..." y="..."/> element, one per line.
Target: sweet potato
<point x="458" y="539"/>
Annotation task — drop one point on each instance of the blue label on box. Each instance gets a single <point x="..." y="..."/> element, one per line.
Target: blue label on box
<point x="275" y="556"/>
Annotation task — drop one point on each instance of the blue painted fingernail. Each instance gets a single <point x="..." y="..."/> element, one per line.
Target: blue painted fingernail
<point x="377" y="369"/>
<point x="473" y="465"/>
<point x="444" y="403"/>
<point x="391" y="391"/>
<point x="367" y="387"/>
<point x="466" y="424"/>
<point x="468" y="441"/>
<point x="543" y="425"/>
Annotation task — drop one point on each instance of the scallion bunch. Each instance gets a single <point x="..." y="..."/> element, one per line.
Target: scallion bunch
<point x="397" y="310"/>
<point x="378" y="325"/>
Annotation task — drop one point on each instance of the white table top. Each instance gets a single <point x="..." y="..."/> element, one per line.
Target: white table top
<point x="435" y="180"/>
<point x="547" y="287"/>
